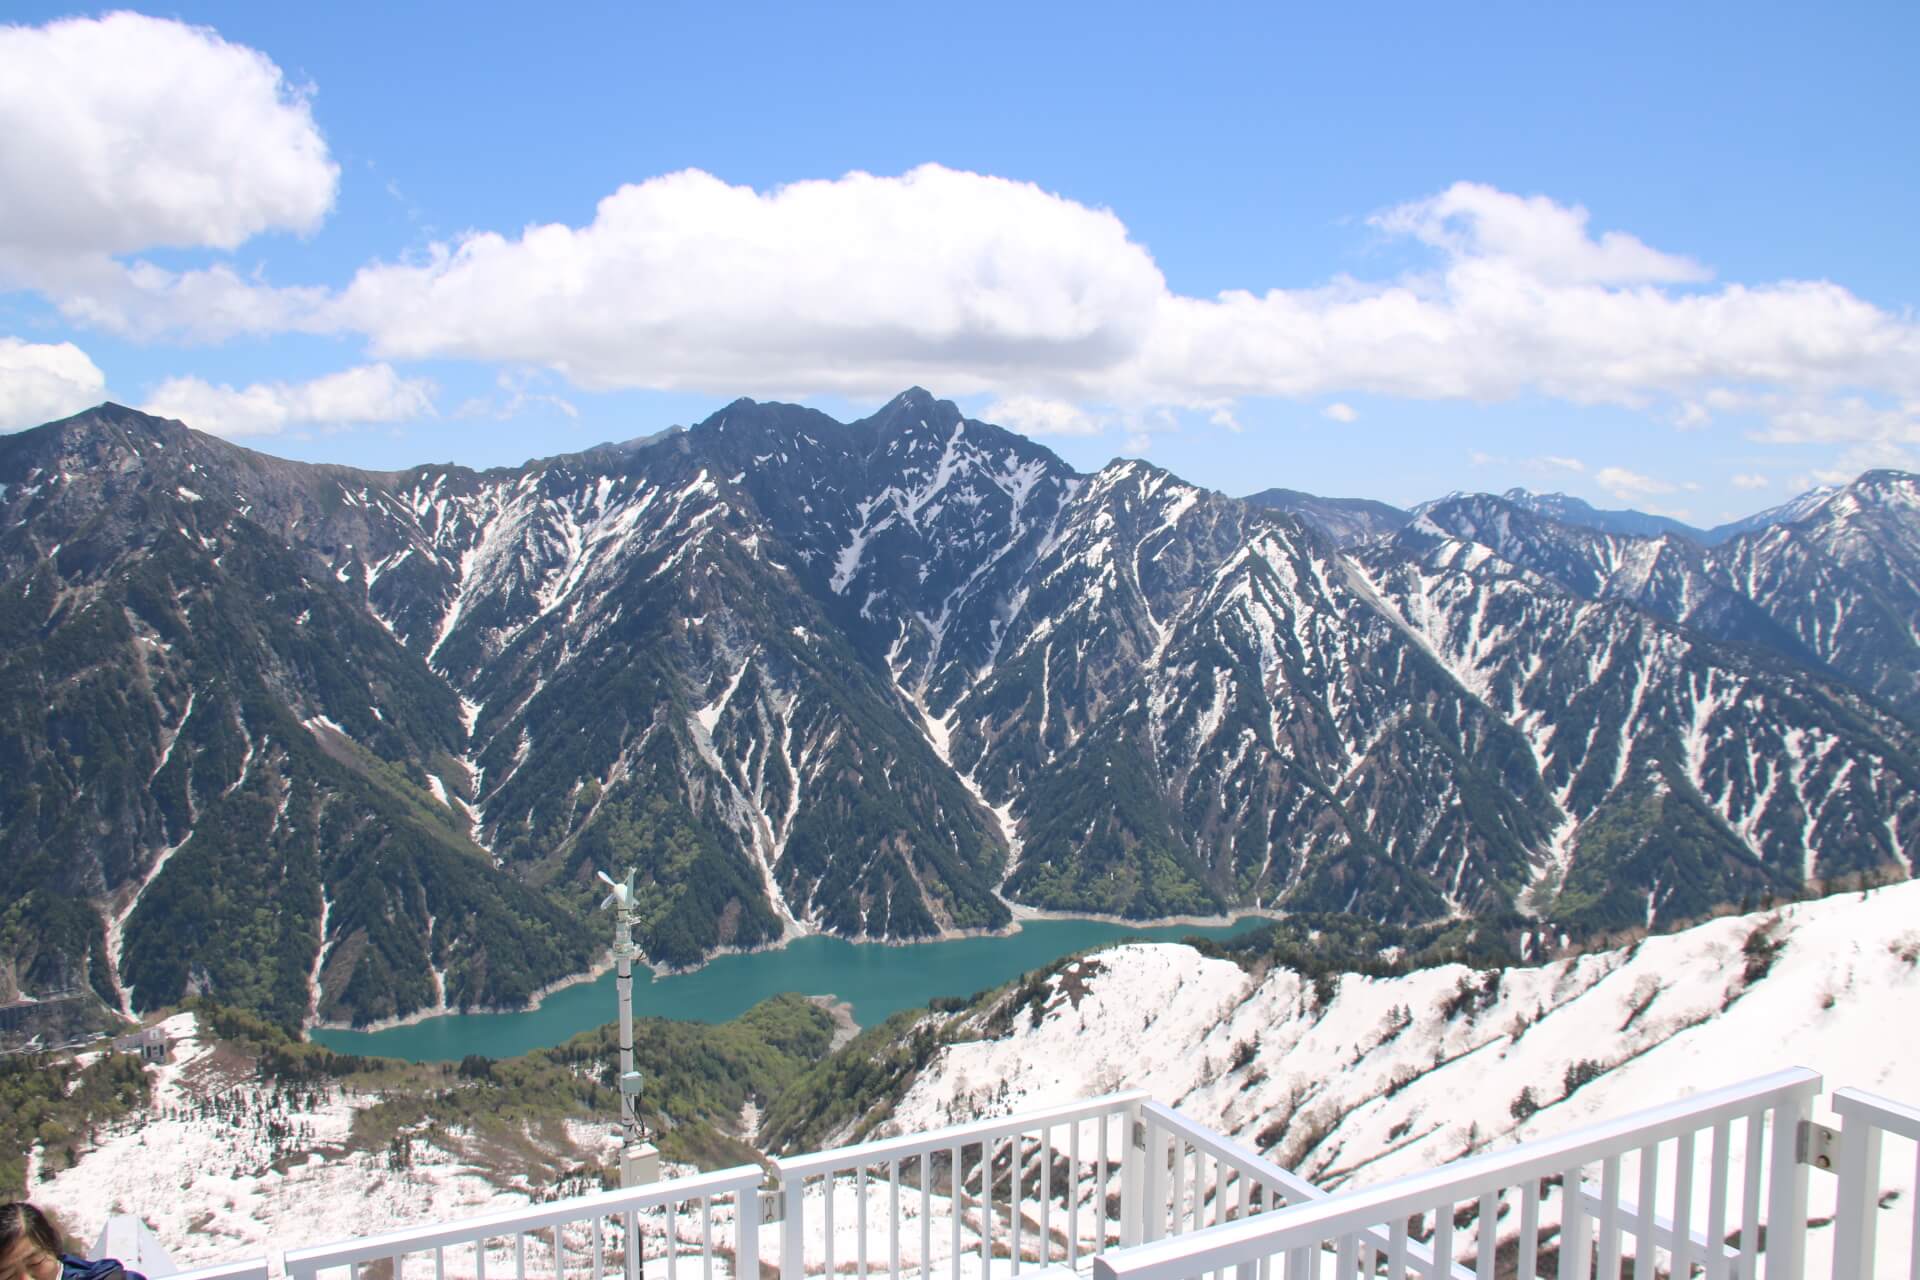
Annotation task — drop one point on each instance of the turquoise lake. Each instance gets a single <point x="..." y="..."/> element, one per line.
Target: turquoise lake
<point x="877" y="980"/>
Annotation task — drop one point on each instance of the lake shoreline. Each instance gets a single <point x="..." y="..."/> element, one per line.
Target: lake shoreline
<point x="593" y="973"/>
<point x="873" y="979"/>
<point x="604" y="964"/>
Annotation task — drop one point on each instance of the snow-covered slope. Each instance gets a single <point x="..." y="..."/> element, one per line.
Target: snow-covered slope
<point x="1354" y="1083"/>
<point x="1392" y="1075"/>
<point x="224" y="1168"/>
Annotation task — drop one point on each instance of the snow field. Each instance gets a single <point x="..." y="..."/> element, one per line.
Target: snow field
<point x="1381" y="1082"/>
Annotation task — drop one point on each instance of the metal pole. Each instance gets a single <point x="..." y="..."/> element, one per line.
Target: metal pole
<point x="639" y="1159"/>
<point x="623" y="962"/>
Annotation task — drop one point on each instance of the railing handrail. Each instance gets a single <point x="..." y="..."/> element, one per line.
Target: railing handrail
<point x="245" y="1269"/>
<point x="1221" y="1147"/>
<point x="1865" y="1119"/>
<point x="866" y="1153"/>
<point x="1894" y="1117"/>
<point x="1298" y="1189"/>
<point x="1234" y="1242"/>
<point x="739" y="1179"/>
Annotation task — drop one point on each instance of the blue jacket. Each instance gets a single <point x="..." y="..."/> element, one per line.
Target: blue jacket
<point x="72" y="1268"/>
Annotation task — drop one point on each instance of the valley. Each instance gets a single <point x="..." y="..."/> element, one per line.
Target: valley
<point x="347" y="748"/>
<point x="1349" y="1078"/>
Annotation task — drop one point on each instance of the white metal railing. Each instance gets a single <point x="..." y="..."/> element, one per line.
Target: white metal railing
<point x="1056" y="1166"/>
<point x="1242" y="1183"/>
<point x="1140" y="1192"/>
<point x="1751" y="1130"/>
<point x="694" y="1222"/>
<point x="1865" y="1120"/>
<point x="248" y="1269"/>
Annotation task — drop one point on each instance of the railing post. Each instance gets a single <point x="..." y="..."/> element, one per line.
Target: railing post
<point x="1133" y="1176"/>
<point x="1159" y="1155"/>
<point x="746" y="1245"/>
<point x="793" y="1209"/>
<point x="1787" y="1193"/>
<point x="1576" y="1230"/>
<point x="1859" y="1192"/>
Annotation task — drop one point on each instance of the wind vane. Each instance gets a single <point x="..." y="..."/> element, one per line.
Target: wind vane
<point x="639" y="1160"/>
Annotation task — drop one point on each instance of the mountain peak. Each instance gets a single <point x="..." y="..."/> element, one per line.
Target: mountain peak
<point x="109" y="414"/>
<point x="912" y="412"/>
<point x="89" y="438"/>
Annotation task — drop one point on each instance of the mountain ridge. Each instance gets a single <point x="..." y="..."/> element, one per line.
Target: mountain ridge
<point x="878" y="679"/>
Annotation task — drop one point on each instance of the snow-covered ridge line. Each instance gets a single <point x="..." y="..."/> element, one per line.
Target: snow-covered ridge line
<point x="1358" y="1080"/>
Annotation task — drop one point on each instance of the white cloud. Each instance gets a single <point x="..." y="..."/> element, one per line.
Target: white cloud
<point x="1750" y="480"/>
<point x="1547" y="240"/>
<point x="1542" y="463"/>
<point x="1626" y="485"/>
<point x="40" y="382"/>
<point x="859" y="285"/>
<point x="1038" y="416"/>
<point x="206" y="304"/>
<point x="977" y="284"/>
<point x="128" y="132"/>
<point x="516" y="395"/>
<point x="367" y="393"/>
<point x="1841" y="420"/>
<point x="1340" y="412"/>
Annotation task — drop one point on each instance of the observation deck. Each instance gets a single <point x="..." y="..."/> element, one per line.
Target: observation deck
<point x="1737" y="1183"/>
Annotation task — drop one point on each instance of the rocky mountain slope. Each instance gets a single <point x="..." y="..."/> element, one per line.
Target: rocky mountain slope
<point x="348" y="745"/>
<point x="1344" y="520"/>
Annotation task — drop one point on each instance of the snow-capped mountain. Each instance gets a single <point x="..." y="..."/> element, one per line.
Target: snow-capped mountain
<point x="1844" y="581"/>
<point x="880" y="679"/>
<point x="1568" y="509"/>
<point x="1344" y="520"/>
<point x="1789" y="512"/>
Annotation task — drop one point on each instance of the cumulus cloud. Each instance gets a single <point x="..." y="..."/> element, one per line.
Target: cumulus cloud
<point x="128" y="132"/>
<point x="973" y="283"/>
<point x="1627" y="485"/>
<point x="141" y="300"/>
<point x="1038" y="416"/>
<point x="366" y="394"/>
<point x="1340" y="412"/>
<point x="1750" y="480"/>
<point x="40" y="382"/>
<point x="859" y="285"/>
<point x="1548" y="241"/>
<point x="967" y="282"/>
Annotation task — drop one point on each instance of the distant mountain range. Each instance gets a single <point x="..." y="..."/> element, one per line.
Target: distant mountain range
<point x="1350" y="520"/>
<point x="348" y="745"/>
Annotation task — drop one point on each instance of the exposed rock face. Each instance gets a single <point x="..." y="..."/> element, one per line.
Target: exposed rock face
<point x="341" y="744"/>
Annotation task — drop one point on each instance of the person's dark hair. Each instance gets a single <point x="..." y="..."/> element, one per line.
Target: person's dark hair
<point x="22" y="1219"/>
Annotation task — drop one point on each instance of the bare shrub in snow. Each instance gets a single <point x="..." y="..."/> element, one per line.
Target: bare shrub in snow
<point x="1906" y="949"/>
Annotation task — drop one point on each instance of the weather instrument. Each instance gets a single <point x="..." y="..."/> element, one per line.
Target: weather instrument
<point x="639" y="1161"/>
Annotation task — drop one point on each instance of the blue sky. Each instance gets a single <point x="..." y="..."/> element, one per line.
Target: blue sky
<point x="1657" y="256"/>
